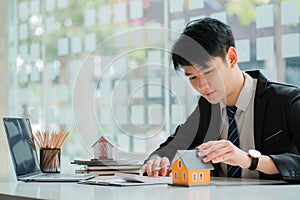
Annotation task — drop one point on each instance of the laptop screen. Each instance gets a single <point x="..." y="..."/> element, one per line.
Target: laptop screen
<point x="21" y="145"/>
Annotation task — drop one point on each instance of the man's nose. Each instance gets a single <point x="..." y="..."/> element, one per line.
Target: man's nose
<point x="202" y="84"/>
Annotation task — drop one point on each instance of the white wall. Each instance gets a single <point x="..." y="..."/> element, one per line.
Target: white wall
<point x="4" y="83"/>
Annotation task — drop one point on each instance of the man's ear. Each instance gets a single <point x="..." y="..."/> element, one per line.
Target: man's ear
<point x="232" y="56"/>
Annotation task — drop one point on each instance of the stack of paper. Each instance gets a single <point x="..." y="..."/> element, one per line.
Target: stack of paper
<point x="108" y="167"/>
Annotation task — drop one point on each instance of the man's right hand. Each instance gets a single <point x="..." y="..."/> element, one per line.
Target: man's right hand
<point x="157" y="167"/>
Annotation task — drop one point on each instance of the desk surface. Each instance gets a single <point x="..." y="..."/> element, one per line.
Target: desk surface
<point x="221" y="188"/>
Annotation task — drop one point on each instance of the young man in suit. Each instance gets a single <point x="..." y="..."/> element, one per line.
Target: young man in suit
<point x="261" y="139"/>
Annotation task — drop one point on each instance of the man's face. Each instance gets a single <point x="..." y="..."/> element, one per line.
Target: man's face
<point x="212" y="81"/>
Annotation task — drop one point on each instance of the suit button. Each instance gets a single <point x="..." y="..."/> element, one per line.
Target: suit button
<point x="293" y="174"/>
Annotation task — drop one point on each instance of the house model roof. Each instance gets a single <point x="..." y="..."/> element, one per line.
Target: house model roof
<point x="108" y="139"/>
<point x="191" y="160"/>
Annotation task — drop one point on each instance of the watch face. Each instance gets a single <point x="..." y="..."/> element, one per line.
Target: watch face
<point x="254" y="153"/>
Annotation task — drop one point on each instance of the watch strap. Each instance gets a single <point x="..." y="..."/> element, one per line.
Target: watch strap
<point x="254" y="163"/>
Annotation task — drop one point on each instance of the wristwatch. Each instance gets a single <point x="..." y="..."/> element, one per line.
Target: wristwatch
<point x="254" y="155"/>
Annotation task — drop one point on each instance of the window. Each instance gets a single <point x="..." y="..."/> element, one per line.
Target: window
<point x="179" y="164"/>
<point x="194" y="175"/>
<point x="175" y="176"/>
<point x="183" y="176"/>
<point x="70" y="64"/>
<point x="201" y="176"/>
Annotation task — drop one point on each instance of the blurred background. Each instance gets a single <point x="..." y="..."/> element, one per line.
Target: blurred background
<point x="102" y="67"/>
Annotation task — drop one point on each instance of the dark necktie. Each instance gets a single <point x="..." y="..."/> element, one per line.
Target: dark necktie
<point x="233" y="171"/>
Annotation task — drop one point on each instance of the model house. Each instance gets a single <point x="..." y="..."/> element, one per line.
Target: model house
<point x="189" y="170"/>
<point x="105" y="148"/>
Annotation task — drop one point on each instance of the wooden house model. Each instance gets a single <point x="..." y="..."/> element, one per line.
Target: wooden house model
<point x="105" y="148"/>
<point x="189" y="170"/>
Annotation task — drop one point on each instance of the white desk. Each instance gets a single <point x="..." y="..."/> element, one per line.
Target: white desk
<point x="220" y="189"/>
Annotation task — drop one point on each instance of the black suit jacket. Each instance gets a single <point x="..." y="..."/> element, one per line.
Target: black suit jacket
<point x="276" y="128"/>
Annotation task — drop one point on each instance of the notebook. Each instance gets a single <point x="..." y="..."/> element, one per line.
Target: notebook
<point x="24" y="155"/>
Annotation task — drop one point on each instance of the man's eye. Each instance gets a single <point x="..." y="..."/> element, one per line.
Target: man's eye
<point x="192" y="78"/>
<point x="208" y="72"/>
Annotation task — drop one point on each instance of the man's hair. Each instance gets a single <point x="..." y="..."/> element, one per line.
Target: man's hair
<point x="202" y="39"/>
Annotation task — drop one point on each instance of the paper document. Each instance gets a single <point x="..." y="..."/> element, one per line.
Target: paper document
<point x="123" y="179"/>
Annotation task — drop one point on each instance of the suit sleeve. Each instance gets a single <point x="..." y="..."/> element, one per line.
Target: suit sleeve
<point x="182" y="138"/>
<point x="289" y="163"/>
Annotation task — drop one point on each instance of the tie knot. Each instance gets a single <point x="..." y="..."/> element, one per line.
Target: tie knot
<point x="231" y="111"/>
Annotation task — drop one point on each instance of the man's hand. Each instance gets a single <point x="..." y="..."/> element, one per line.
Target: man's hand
<point x="223" y="151"/>
<point x="157" y="167"/>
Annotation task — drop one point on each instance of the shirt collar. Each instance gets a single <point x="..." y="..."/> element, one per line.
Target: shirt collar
<point x="245" y="94"/>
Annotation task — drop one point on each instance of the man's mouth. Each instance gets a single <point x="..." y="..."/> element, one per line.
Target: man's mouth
<point x="208" y="94"/>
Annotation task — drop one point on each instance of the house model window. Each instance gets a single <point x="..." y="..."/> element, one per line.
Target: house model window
<point x="175" y="176"/>
<point x="179" y="164"/>
<point x="194" y="177"/>
<point x="200" y="176"/>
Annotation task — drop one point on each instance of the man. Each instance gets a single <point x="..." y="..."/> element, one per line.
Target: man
<point x="236" y="113"/>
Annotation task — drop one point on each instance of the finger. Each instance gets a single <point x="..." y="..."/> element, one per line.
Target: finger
<point x="222" y="151"/>
<point x="143" y="169"/>
<point x="206" y="145"/>
<point x="212" y="146"/>
<point x="148" y="167"/>
<point x="219" y="156"/>
<point x="165" y="164"/>
<point x="156" y="167"/>
<point x="205" y="148"/>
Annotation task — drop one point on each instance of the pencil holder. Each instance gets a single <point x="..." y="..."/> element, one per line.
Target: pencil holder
<point x="50" y="160"/>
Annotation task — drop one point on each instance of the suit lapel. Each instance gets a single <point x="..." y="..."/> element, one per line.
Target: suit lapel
<point x="259" y="117"/>
<point x="260" y="104"/>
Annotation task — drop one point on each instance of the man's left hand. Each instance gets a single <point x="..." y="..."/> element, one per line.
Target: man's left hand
<point x="223" y="151"/>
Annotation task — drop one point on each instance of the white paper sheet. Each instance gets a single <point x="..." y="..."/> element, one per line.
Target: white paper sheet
<point x="23" y="31"/>
<point x="243" y="49"/>
<point x="104" y="14"/>
<point x="90" y="17"/>
<point x="63" y="46"/>
<point x="290" y="45"/>
<point x="76" y="45"/>
<point x="136" y="9"/>
<point x="120" y="12"/>
<point x="290" y="12"/>
<point x="23" y="10"/>
<point x="35" y="50"/>
<point x="264" y="48"/>
<point x="50" y="5"/>
<point x="50" y="24"/>
<point x="196" y="4"/>
<point x="90" y="42"/>
<point x="176" y="6"/>
<point x="264" y="16"/>
<point x="34" y="7"/>
<point x="137" y="114"/>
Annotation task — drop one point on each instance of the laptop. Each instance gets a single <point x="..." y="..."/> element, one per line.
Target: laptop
<point x="24" y="155"/>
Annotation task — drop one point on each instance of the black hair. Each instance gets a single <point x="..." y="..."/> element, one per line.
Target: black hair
<point x="202" y="39"/>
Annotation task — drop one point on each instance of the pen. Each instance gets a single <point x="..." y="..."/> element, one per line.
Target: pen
<point x="155" y="169"/>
